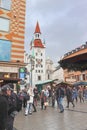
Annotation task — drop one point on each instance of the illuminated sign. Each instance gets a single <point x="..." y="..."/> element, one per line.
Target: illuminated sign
<point x="22" y="72"/>
<point x="22" y="75"/>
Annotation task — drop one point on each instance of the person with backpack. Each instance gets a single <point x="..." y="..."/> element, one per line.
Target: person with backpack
<point x="60" y="96"/>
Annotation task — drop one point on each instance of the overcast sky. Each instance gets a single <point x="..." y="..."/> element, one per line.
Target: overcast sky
<point x="63" y="24"/>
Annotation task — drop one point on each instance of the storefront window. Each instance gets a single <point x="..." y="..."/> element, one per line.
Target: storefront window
<point x="6" y="4"/>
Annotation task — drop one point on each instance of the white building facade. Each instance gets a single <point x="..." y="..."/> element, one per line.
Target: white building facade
<point x="38" y="66"/>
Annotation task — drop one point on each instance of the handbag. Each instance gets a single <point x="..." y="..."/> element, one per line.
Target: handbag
<point x="46" y="104"/>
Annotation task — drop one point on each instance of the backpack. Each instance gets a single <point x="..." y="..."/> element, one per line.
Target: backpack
<point x="27" y="96"/>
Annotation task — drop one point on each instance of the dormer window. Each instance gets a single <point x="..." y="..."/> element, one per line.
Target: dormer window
<point x="38" y="35"/>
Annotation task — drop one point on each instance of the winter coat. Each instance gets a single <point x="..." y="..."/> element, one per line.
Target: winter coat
<point x="3" y="112"/>
<point x="69" y="94"/>
<point x="60" y="92"/>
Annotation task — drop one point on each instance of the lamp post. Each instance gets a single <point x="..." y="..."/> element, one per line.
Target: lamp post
<point x="32" y="62"/>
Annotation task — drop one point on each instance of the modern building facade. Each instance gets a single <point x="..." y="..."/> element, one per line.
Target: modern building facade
<point x="12" y="29"/>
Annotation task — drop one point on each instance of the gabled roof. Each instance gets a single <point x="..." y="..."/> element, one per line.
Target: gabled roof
<point x="37" y="29"/>
<point x="38" y="43"/>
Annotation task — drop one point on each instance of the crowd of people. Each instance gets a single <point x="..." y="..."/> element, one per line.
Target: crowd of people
<point x="11" y="103"/>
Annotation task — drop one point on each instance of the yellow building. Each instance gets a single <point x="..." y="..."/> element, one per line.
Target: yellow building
<point x="12" y="29"/>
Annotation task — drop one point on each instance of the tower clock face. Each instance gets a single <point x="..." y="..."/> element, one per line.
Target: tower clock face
<point x="38" y="61"/>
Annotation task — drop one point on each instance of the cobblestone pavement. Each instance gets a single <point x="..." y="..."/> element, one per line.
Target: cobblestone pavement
<point x="51" y="119"/>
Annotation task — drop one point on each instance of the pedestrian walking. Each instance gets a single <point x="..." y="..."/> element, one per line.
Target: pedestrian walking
<point x="85" y="92"/>
<point x="69" y="96"/>
<point x="53" y="97"/>
<point x="42" y="99"/>
<point x="49" y="95"/>
<point x="60" y="96"/>
<point x="6" y="92"/>
<point x="3" y="112"/>
<point x="29" y="102"/>
<point x="35" y="90"/>
<point x="35" y="96"/>
<point x="74" y="94"/>
<point x="80" y="93"/>
<point x="25" y="98"/>
<point x="11" y="97"/>
<point x="46" y="95"/>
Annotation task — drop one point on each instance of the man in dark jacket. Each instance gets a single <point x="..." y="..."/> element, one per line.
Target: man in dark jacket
<point x="3" y="112"/>
<point x="60" y="96"/>
<point x="69" y="96"/>
<point x="7" y="93"/>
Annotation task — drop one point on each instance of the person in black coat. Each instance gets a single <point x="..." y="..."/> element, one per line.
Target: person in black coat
<point x="3" y="112"/>
<point x="69" y="96"/>
<point x="7" y="93"/>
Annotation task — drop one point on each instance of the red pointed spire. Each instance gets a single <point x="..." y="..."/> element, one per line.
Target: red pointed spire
<point x="37" y="29"/>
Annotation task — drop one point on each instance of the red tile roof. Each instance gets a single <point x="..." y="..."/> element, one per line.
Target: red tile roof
<point x="38" y="43"/>
<point x="37" y="29"/>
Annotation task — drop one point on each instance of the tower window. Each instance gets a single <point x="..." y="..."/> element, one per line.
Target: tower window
<point x="37" y="35"/>
<point x="38" y="71"/>
<point x="41" y="71"/>
<point x="39" y="77"/>
<point x="36" y="65"/>
<point x="48" y="76"/>
<point x="41" y="66"/>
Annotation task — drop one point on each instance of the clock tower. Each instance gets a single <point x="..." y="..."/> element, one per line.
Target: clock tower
<point x="37" y="50"/>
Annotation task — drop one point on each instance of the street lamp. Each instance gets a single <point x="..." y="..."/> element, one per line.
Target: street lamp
<point x="32" y="62"/>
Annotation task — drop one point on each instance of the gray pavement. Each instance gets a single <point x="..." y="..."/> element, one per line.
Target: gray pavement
<point x="51" y="119"/>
